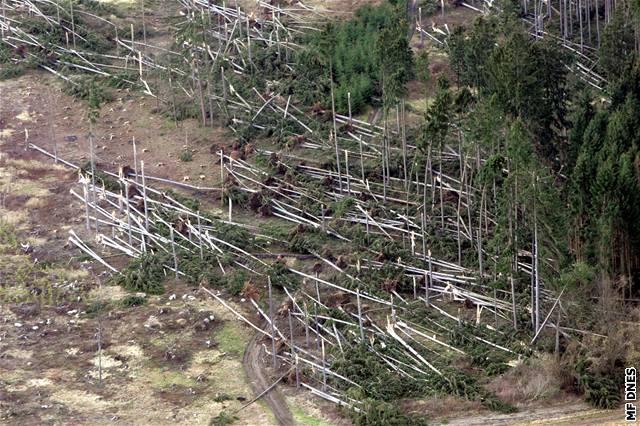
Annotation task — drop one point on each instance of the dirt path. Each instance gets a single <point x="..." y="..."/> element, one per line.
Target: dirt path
<point x="253" y="367"/>
<point x="576" y="414"/>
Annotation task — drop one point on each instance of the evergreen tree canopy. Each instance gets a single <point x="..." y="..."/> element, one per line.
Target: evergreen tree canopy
<point x="358" y="52"/>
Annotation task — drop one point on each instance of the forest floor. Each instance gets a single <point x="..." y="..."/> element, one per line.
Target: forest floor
<point x="179" y="353"/>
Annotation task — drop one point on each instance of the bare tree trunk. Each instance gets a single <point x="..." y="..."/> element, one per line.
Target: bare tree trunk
<point x="441" y="194"/>
<point x="513" y="302"/>
<point x="85" y="191"/>
<point x="335" y="127"/>
<point x="135" y="158"/>
<point x="144" y="25"/>
<point x="428" y="282"/>
<point x="198" y="83"/>
<point x="273" y="326"/>
<point x="346" y="166"/>
<point x="360" y="315"/>
<point x="597" y="22"/>
<point x="557" y="348"/>
<point x="537" y="275"/>
<point x="404" y="147"/>
<point x="588" y="17"/>
<point x="146" y="211"/>
<point x="579" y="6"/>
<point x="73" y="25"/>
<point x="338" y="161"/>
<point x="361" y="160"/>
<point x="224" y="91"/>
<point x="459" y="212"/>
<point x="99" y="336"/>
<point x="306" y="324"/>
<point x="481" y="269"/>
<point x="93" y="176"/>
<point x="173" y="250"/>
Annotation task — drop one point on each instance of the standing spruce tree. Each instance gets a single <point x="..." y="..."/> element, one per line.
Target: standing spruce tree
<point x="605" y="191"/>
<point x="396" y="65"/>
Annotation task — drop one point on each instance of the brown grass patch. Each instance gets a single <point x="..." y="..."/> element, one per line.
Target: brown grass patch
<point x="533" y="380"/>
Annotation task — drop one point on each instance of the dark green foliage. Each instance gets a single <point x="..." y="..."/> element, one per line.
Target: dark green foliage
<point x="121" y="79"/>
<point x="5" y="54"/>
<point x="468" y="51"/>
<point x="389" y="249"/>
<point x="235" y="235"/>
<point x="186" y="156"/>
<point x="131" y="301"/>
<point x="600" y="390"/>
<point x="222" y="419"/>
<point x="348" y="50"/>
<point x="306" y="241"/>
<point x="605" y="194"/>
<point x="580" y="118"/>
<point x="492" y="170"/>
<point x="526" y="78"/>
<point x="234" y="281"/>
<point x="528" y="82"/>
<point x="617" y="46"/>
<point x="436" y="124"/>
<point x="374" y="412"/>
<point x="88" y="88"/>
<point x="222" y="397"/>
<point x="380" y="383"/>
<point x="238" y="197"/>
<point x="396" y="62"/>
<point x="190" y="202"/>
<point x="96" y="307"/>
<point x="97" y="8"/>
<point x="110" y="183"/>
<point x="342" y="206"/>
<point x="144" y="274"/>
<point x="197" y="270"/>
<point x="281" y="276"/>
<point x="184" y="110"/>
<point x="361" y="365"/>
<point x="9" y="70"/>
<point x="92" y="37"/>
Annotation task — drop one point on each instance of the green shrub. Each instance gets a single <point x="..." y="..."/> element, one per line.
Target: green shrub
<point x="144" y="274"/>
<point x="110" y="183"/>
<point x="189" y="202"/>
<point x="186" y="156"/>
<point x="383" y="413"/>
<point x="223" y="419"/>
<point x="87" y="88"/>
<point x="601" y="392"/>
<point x="222" y="397"/>
<point x="96" y="307"/>
<point x="131" y="301"/>
<point x="234" y="281"/>
<point x="9" y="70"/>
<point x="238" y="197"/>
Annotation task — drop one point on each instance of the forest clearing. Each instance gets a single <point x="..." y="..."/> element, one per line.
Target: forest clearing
<point x="252" y="212"/>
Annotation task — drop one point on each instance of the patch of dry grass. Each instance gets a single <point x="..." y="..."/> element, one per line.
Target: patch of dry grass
<point x="73" y="398"/>
<point x="533" y="380"/>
